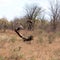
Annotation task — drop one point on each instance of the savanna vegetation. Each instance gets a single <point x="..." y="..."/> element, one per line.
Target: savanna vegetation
<point x="46" y="35"/>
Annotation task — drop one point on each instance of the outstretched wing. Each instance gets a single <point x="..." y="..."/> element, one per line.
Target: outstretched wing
<point x="25" y="39"/>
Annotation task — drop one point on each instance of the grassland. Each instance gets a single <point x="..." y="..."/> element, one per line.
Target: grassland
<point x="44" y="46"/>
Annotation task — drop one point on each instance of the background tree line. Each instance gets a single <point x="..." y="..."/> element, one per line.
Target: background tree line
<point x="35" y="19"/>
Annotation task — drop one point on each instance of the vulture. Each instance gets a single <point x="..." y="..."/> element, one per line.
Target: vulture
<point x="29" y="38"/>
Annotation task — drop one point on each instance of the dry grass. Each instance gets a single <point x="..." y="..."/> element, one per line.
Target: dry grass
<point x="44" y="46"/>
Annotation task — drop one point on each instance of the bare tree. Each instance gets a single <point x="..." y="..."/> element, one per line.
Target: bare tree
<point x="32" y="13"/>
<point x="54" y="9"/>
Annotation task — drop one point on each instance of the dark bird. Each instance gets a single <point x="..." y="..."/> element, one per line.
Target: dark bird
<point x="24" y="39"/>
